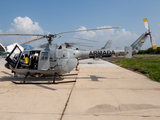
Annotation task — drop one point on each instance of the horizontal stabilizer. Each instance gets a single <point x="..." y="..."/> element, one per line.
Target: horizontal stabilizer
<point x="128" y="52"/>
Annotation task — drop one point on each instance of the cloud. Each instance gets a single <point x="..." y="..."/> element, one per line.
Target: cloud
<point x="120" y="37"/>
<point x="25" y="25"/>
<point x="22" y="25"/>
<point x="86" y="34"/>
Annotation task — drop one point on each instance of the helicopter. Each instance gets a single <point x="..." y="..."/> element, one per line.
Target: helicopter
<point x="59" y="59"/>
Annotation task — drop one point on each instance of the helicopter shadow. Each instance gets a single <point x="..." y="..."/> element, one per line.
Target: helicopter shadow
<point x="7" y="73"/>
<point x="40" y="82"/>
<point x="9" y="77"/>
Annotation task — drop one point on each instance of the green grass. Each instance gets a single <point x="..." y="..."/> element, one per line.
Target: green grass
<point x="147" y="66"/>
<point x="147" y="55"/>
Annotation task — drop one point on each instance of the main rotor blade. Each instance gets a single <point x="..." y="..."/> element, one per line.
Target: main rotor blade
<point x="79" y="38"/>
<point x="79" y="43"/>
<point x="89" y="30"/>
<point x="83" y="45"/>
<point x="21" y="35"/>
<point x="33" y="40"/>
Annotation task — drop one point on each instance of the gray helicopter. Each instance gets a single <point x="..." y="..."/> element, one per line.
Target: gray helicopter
<point x="55" y="60"/>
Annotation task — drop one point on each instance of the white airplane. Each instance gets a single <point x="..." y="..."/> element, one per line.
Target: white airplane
<point x="8" y="49"/>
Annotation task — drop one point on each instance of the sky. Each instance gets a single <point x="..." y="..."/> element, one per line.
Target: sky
<point x="56" y="16"/>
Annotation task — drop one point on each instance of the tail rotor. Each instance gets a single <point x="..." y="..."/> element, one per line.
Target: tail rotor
<point x="153" y="42"/>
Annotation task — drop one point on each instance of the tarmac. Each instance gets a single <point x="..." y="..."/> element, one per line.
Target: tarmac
<point x="99" y="91"/>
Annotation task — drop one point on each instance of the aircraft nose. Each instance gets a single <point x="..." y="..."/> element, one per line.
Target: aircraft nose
<point x="7" y="65"/>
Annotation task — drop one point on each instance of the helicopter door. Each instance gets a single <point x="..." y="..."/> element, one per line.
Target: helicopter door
<point x="44" y="63"/>
<point x="13" y="57"/>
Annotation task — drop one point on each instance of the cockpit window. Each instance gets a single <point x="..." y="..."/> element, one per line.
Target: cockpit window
<point x="44" y="56"/>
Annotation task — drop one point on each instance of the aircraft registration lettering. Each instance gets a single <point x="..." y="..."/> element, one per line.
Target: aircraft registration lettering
<point x="101" y="53"/>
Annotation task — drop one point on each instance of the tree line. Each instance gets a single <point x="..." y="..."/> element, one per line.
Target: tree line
<point x="150" y="51"/>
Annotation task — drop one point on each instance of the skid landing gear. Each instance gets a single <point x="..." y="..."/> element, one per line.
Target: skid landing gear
<point x="55" y="78"/>
<point x="25" y="77"/>
<point x="22" y="82"/>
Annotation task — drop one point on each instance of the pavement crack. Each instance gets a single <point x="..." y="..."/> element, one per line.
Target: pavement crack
<point x="4" y="92"/>
<point x="69" y="97"/>
<point x="116" y="101"/>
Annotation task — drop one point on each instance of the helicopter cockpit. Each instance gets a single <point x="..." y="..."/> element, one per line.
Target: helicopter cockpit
<point x="17" y="55"/>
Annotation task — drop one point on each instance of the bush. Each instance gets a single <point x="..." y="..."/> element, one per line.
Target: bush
<point x="150" y="51"/>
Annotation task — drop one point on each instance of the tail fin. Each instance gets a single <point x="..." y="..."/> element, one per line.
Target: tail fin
<point x="2" y="48"/>
<point x="136" y="46"/>
<point x="108" y="44"/>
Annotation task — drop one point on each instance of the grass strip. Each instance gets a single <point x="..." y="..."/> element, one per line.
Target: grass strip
<point x="148" y="66"/>
<point x="147" y="55"/>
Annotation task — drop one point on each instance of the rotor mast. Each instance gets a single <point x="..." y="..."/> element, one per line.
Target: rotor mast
<point x="50" y="40"/>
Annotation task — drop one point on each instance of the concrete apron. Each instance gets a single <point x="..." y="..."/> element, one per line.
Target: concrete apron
<point x="102" y="91"/>
<point x="38" y="101"/>
<point x="110" y="92"/>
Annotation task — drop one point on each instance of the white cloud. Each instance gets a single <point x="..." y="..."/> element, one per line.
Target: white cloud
<point x="22" y="25"/>
<point x="125" y="35"/>
<point x="120" y="37"/>
<point x="25" y="25"/>
<point x="86" y="34"/>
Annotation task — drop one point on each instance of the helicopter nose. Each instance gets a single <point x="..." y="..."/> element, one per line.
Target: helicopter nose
<point x="7" y="65"/>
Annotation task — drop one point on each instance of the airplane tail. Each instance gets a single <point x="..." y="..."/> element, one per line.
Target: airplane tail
<point x="108" y="44"/>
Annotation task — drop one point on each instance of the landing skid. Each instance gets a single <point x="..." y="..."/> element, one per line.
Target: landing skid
<point x="24" y="80"/>
<point x="21" y="82"/>
<point x="54" y="78"/>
